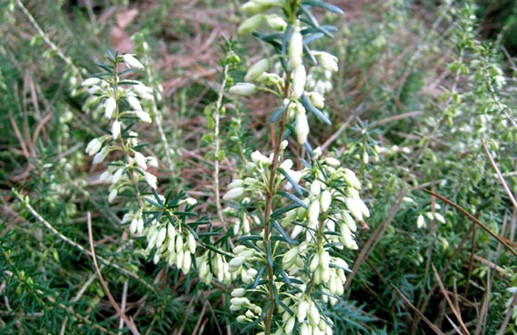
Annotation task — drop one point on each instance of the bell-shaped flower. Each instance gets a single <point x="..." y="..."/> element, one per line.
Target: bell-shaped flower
<point x="132" y="62"/>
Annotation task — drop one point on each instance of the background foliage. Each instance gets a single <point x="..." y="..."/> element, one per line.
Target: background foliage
<point x="423" y="99"/>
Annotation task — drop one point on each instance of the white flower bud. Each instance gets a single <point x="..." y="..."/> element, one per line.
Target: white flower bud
<point x="239" y="301"/>
<point x="237" y="262"/>
<point x="235" y="183"/>
<point x="439" y="217"/>
<point x="302" y="310"/>
<point x="258" y="157"/>
<point x="305" y="330"/>
<point x="151" y="180"/>
<point x="420" y="221"/>
<point x="302" y="127"/>
<point x="314" y="314"/>
<point x="187" y="261"/>
<point x="134" y="103"/>
<point x="162" y="234"/>
<point x="299" y="78"/>
<point x="332" y="161"/>
<point x="316" y="188"/>
<point x="314" y="213"/>
<point x="289" y="326"/>
<point x="314" y="263"/>
<point x="296" y="49"/>
<point x="191" y="242"/>
<point x="133" y="225"/>
<point x="115" y="129"/>
<point x="347" y="238"/>
<point x="132" y="62"/>
<point x="327" y="61"/>
<point x="140" y="160"/>
<point x="349" y="221"/>
<point x="179" y="259"/>
<point x="112" y="196"/>
<point x="234" y="193"/>
<point x="93" y="147"/>
<point x="243" y="89"/>
<point x="257" y="69"/>
<point x="144" y="116"/>
<point x="284" y="144"/>
<point x="354" y="208"/>
<point x="90" y="82"/>
<point x="317" y="100"/>
<point x="251" y="24"/>
<point x="109" y="107"/>
<point x="100" y="156"/>
<point x="105" y="177"/>
<point x="238" y="292"/>
<point x="152" y="161"/>
<point x="275" y="22"/>
<point x="325" y="200"/>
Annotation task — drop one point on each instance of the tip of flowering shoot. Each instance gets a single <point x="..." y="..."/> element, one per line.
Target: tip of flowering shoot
<point x="132" y="62"/>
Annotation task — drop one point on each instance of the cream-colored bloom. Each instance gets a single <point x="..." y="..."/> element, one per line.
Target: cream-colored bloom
<point x="234" y="193"/>
<point x="243" y="89"/>
<point x="115" y="129"/>
<point x="109" y="107"/>
<point x="93" y="147"/>
<point x="299" y="78"/>
<point x="134" y="103"/>
<point x="257" y="69"/>
<point x="112" y="195"/>
<point x="296" y="49"/>
<point x="251" y="24"/>
<point x="90" y="82"/>
<point x="302" y="127"/>
<point x="132" y="62"/>
<point x="100" y="156"/>
<point x="140" y="160"/>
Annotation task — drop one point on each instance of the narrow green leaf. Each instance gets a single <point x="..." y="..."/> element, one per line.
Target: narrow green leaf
<point x="295" y="185"/>
<point x="324" y="5"/>
<point x="278" y="113"/>
<point x="282" y="232"/>
<point x="293" y="198"/>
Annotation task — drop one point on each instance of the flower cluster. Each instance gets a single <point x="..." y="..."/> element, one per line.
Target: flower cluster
<point x="322" y="222"/>
<point x="121" y="103"/>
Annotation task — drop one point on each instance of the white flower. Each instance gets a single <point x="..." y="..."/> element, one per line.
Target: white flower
<point x="235" y="183"/>
<point x="100" y="156"/>
<point x="258" y="158"/>
<point x="332" y="161"/>
<point x="93" y="147"/>
<point x="109" y="107"/>
<point x="117" y="176"/>
<point x="257" y="69"/>
<point x="439" y="217"/>
<point x="327" y="61"/>
<point x="144" y="116"/>
<point x="354" y="208"/>
<point x="112" y="196"/>
<point x="151" y="180"/>
<point x="162" y="234"/>
<point x="349" y="221"/>
<point x="314" y="314"/>
<point x="299" y="78"/>
<point x="314" y="213"/>
<point x="420" y="221"/>
<point x="302" y="126"/>
<point x="187" y="261"/>
<point x="317" y="100"/>
<point x="134" y="103"/>
<point x="302" y="310"/>
<point x="296" y="49"/>
<point x="234" y="193"/>
<point x="325" y="200"/>
<point x="275" y="22"/>
<point x="152" y="161"/>
<point x="115" y="129"/>
<point x="191" y="243"/>
<point x="132" y="62"/>
<point x="289" y="326"/>
<point x="140" y="160"/>
<point x="251" y="24"/>
<point x="347" y="238"/>
<point x="90" y="82"/>
<point x="243" y="89"/>
<point x="238" y="292"/>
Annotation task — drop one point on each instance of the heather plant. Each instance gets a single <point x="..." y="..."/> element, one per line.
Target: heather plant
<point x="331" y="174"/>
